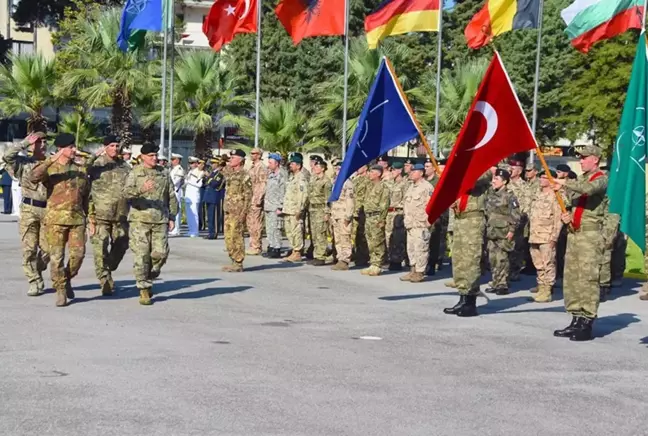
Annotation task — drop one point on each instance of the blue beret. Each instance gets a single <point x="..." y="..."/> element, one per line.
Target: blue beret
<point x="275" y="156"/>
<point x="418" y="167"/>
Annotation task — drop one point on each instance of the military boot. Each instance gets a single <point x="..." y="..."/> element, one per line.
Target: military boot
<point x="603" y="293"/>
<point x="251" y="252"/>
<point x="408" y="276"/>
<point x="584" y="331"/>
<point x="450" y="284"/>
<point x="469" y="308"/>
<point x="234" y="267"/>
<point x="35" y="289"/>
<point x="317" y="262"/>
<point x="543" y="295"/>
<point x="644" y="296"/>
<point x="501" y="291"/>
<point x="570" y="329"/>
<point x="61" y="299"/>
<point x="534" y="289"/>
<point x="395" y="266"/>
<point x="295" y="256"/>
<point x="145" y="297"/>
<point x="107" y="286"/>
<point x="417" y="277"/>
<point x="69" y="292"/>
<point x="340" y="266"/>
<point x="457" y="307"/>
<point x="274" y="253"/>
<point x="372" y="271"/>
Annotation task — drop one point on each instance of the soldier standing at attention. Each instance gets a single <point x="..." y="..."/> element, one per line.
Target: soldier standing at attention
<point x="152" y="216"/>
<point x="468" y="229"/>
<point x="193" y="181"/>
<point x="294" y="207"/>
<point x="273" y="200"/>
<point x="360" y="185"/>
<point x="417" y="225"/>
<point x="584" y="244"/>
<point x="177" y="174"/>
<point x="214" y="185"/>
<point x="395" y="233"/>
<point x="545" y="226"/>
<point x="31" y="222"/>
<point x="502" y="219"/>
<point x="375" y="204"/>
<point x="562" y="172"/>
<point x="342" y="216"/>
<point x="258" y="174"/>
<point x="108" y="212"/>
<point x="319" y="190"/>
<point x="65" y="216"/>
<point x="237" y="204"/>
<point x="437" y="229"/>
<point x="518" y="187"/>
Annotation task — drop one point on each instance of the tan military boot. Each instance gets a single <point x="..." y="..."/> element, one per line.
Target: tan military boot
<point x="450" y="284"/>
<point x="295" y="256"/>
<point x="417" y="277"/>
<point x="145" y="297"/>
<point x="408" y="276"/>
<point x="372" y="271"/>
<point x="251" y="252"/>
<point x="340" y="266"/>
<point x="644" y="296"/>
<point x="543" y="295"/>
<point x="235" y="267"/>
<point x="34" y="290"/>
<point x="61" y="299"/>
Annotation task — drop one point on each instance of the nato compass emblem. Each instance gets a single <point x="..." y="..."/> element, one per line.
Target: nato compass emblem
<point x="135" y="7"/>
<point x="312" y="8"/>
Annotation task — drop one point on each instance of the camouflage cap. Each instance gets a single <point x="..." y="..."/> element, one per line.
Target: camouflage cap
<point x="532" y="166"/>
<point x="590" y="150"/>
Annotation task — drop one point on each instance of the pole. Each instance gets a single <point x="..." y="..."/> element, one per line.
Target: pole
<point x="258" y="76"/>
<point x="346" y="78"/>
<point x="438" y="81"/>
<point x="561" y="202"/>
<point x="164" y="78"/>
<point x="171" y="80"/>
<point x="643" y="17"/>
<point x="536" y="84"/>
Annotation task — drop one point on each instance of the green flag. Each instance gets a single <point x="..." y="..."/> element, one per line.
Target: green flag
<point x="627" y="182"/>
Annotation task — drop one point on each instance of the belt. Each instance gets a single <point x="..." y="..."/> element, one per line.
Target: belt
<point x="395" y="209"/>
<point x="373" y="213"/>
<point x="36" y="203"/>
<point x="472" y="213"/>
<point x="589" y="227"/>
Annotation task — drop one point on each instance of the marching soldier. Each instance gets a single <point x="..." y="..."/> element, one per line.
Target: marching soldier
<point x="342" y="211"/>
<point x="417" y="225"/>
<point x="32" y="210"/>
<point x="275" y="192"/>
<point x="154" y="206"/>
<point x="177" y="175"/>
<point x="294" y="207"/>
<point x="395" y="233"/>
<point x="360" y="185"/>
<point x="108" y="212"/>
<point x="258" y="175"/>
<point x="319" y="190"/>
<point x="214" y="189"/>
<point x="65" y="215"/>
<point x="237" y="204"/>
<point x="584" y="244"/>
<point x="375" y="205"/>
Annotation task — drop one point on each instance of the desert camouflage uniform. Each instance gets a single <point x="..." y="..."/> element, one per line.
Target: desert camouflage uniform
<point x="359" y="238"/>
<point x="294" y="208"/>
<point x="516" y="258"/>
<point x="342" y="219"/>
<point x="238" y="197"/>
<point x="417" y="225"/>
<point x="258" y="176"/>
<point x="395" y="233"/>
<point x="319" y="190"/>
<point x="545" y="226"/>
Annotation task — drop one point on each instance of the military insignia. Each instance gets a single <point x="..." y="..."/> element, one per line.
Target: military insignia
<point x="515" y="203"/>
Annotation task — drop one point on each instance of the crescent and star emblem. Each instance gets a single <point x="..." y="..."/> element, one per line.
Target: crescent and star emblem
<point x="231" y="9"/>
<point x="489" y="112"/>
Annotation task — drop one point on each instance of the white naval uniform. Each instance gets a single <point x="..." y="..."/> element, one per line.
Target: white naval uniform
<point x="193" y="182"/>
<point x="16" y="197"/>
<point x="177" y="175"/>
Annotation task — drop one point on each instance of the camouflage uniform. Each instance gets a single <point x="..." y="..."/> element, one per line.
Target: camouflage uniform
<point x="395" y="233"/>
<point x="418" y="228"/>
<point x="295" y="204"/>
<point x="375" y="205"/>
<point x="516" y="258"/>
<point x="35" y="255"/>
<point x="149" y="216"/>
<point x="108" y="211"/>
<point x="502" y="217"/>
<point x="438" y="236"/>
<point x="360" y="186"/>
<point x="237" y="204"/>
<point x="319" y="190"/>
<point x="275" y="191"/>
<point x="258" y="177"/>
<point x="342" y="217"/>
<point x="610" y="230"/>
<point x="65" y="218"/>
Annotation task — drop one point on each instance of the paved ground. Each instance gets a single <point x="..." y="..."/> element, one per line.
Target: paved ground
<point x="274" y="351"/>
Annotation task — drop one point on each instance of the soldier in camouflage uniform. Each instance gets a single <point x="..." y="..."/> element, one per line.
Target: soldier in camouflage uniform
<point x="375" y="205"/>
<point x="65" y="216"/>
<point x="108" y="212"/>
<point x="562" y="172"/>
<point x="273" y="199"/>
<point x="32" y="210"/>
<point x="518" y="187"/>
<point x="153" y="208"/>
<point x="294" y="207"/>
<point x="468" y="229"/>
<point x="342" y="219"/>
<point x="584" y="244"/>
<point x="258" y="176"/>
<point x="502" y="219"/>
<point x="319" y="190"/>
<point x="237" y="204"/>
<point x="439" y="228"/>
<point x="360" y="186"/>
<point x="417" y="225"/>
<point x="395" y="233"/>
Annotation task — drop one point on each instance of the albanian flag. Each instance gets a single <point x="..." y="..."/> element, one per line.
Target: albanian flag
<point x="304" y="18"/>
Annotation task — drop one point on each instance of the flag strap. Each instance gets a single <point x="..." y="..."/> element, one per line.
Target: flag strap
<point x="416" y="123"/>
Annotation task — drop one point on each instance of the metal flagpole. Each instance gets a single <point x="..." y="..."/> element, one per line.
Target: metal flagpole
<point x="164" y="78"/>
<point x="643" y="17"/>
<point x="258" y="75"/>
<point x="346" y="78"/>
<point x="171" y="79"/>
<point x="534" y="117"/>
<point x="438" y="81"/>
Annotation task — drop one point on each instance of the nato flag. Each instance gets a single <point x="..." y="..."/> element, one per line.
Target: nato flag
<point x="385" y="122"/>
<point x="139" y="15"/>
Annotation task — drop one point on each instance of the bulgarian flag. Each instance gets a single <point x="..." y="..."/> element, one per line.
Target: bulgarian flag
<point x="590" y="21"/>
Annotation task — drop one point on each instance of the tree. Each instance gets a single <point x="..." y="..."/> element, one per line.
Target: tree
<point x="82" y="126"/>
<point x="47" y="12"/>
<point x="27" y="85"/>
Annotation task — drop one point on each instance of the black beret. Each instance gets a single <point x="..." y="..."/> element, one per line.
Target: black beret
<point x="110" y="139"/>
<point x="322" y="163"/>
<point x="315" y="157"/>
<point x="442" y="161"/>
<point x="503" y="174"/>
<point x="64" y="140"/>
<point x="238" y="152"/>
<point x="552" y="172"/>
<point x="377" y="168"/>
<point x="572" y="175"/>
<point x="563" y="167"/>
<point x="383" y="158"/>
<point x="149" y="147"/>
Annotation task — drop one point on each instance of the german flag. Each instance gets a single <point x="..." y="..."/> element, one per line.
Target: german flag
<point x="395" y="17"/>
<point x="499" y="16"/>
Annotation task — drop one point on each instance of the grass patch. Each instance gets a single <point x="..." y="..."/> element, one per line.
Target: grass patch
<point x="634" y="262"/>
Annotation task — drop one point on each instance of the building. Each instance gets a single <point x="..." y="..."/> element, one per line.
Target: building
<point x="26" y="39"/>
<point x="193" y="14"/>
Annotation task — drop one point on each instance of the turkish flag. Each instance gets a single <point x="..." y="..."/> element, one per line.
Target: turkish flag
<point x="495" y="128"/>
<point x="303" y="18"/>
<point x="226" y="18"/>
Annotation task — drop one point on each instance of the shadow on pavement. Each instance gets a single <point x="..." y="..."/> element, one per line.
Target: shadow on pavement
<point x="644" y="341"/>
<point x="201" y="293"/>
<point x="609" y="324"/>
<point x="502" y="305"/>
<point x="415" y="296"/>
<point x="282" y="265"/>
<point x="628" y="287"/>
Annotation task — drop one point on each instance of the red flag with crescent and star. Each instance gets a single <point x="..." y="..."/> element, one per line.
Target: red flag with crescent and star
<point x="304" y="18"/>
<point x="226" y="18"/>
<point x="494" y="128"/>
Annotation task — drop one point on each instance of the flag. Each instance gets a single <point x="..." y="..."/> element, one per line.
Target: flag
<point x="627" y="181"/>
<point x="138" y="17"/>
<point x="385" y="122"/>
<point x="500" y="16"/>
<point x="395" y="17"/>
<point x="590" y="21"/>
<point x="495" y="128"/>
<point x="304" y="18"/>
<point x="227" y="18"/>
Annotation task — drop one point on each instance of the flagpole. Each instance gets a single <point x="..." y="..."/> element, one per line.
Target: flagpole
<point x="171" y="80"/>
<point x="536" y="84"/>
<point x="258" y="76"/>
<point x="164" y="78"/>
<point x="346" y="77"/>
<point x="438" y="81"/>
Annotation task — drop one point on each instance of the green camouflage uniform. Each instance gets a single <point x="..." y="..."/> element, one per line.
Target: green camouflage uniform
<point x="395" y="233"/>
<point x="359" y="237"/>
<point x="149" y="216"/>
<point x="438" y="235"/>
<point x="319" y="190"/>
<point x="294" y="208"/>
<point x="502" y="216"/>
<point x="520" y="189"/>
<point x="376" y="204"/>
<point x="32" y="213"/>
<point x="238" y="197"/>
<point x="614" y="244"/>
<point x="109" y="212"/>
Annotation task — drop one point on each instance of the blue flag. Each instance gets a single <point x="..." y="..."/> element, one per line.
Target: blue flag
<point x="139" y="15"/>
<point x="385" y="122"/>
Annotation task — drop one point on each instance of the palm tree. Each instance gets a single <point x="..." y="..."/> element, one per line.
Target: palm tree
<point x="27" y="85"/>
<point x="82" y="126"/>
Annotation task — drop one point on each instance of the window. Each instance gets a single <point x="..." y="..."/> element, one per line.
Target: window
<point x="22" y="47"/>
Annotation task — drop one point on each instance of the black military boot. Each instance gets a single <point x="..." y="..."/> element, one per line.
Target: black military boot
<point x="470" y="308"/>
<point x="603" y="293"/>
<point x="490" y="290"/>
<point x="570" y="329"/>
<point x="584" y="332"/>
<point x="430" y="270"/>
<point x="395" y="266"/>
<point x="502" y="291"/>
<point x="274" y="253"/>
<point x="457" y="307"/>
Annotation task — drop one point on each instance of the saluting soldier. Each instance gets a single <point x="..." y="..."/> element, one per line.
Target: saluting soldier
<point x="237" y="204"/>
<point x="417" y="225"/>
<point x="395" y="233"/>
<point x="375" y="205"/>
<point x="584" y="244"/>
<point x="273" y="201"/>
<point x="342" y="211"/>
<point x="294" y="207"/>
<point x="319" y="190"/>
